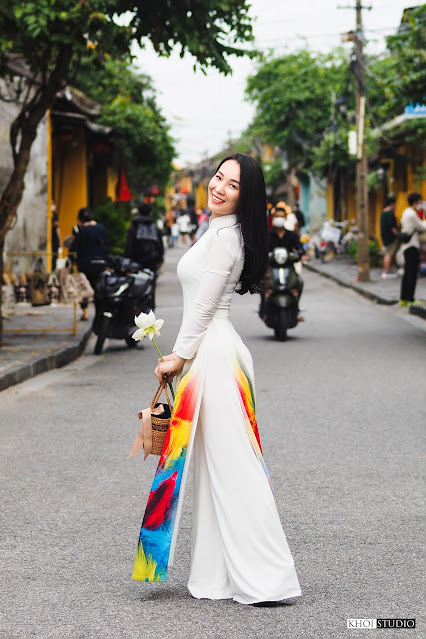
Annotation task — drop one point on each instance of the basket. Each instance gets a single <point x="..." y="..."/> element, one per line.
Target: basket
<point x="160" y="423"/>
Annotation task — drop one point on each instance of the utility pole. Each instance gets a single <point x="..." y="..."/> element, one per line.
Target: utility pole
<point x="361" y="157"/>
<point x="361" y="165"/>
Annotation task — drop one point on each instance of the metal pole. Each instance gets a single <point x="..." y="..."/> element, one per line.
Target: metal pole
<point x="361" y="167"/>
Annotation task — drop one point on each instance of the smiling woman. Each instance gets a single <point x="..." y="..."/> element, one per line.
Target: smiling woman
<point x="223" y="189"/>
<point x="239" y="549"/>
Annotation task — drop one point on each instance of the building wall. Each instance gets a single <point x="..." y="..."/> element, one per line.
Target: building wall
<point x="111" y="182"/>
<point x="201" y="195"/>
<point x="316" y="208"/>
<point x="29" y="234"/>
<point x="70" y="188"/>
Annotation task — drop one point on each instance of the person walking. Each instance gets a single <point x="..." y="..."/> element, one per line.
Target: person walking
<point x="184" y="225"/>
<point x="411" y="226"/>
<point x="90" y="248"/>
<point x="239" y="549"/>
<point x="144" y="243"/>
<point x="169" y="220"/>
<point x="389" y="232"/>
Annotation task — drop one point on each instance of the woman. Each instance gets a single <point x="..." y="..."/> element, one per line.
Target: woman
<point x="89" y="247"/>
<point x="411" y="226"/>
<point x="239" y="549"/>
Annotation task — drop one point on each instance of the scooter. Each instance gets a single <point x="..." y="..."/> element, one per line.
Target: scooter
<point x="279" y="308"/>
<point x="123" y="290"/>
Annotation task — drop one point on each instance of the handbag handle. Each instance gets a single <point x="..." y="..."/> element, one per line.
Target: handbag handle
<point x="162" y="387"/>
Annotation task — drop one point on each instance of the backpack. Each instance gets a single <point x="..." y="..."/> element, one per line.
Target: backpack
<point x="146" y="246"/>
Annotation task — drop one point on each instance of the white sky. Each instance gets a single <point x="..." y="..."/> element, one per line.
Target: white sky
<point x="204" y="110"/>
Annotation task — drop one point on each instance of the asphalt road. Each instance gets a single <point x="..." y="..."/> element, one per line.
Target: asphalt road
<point x="340" y="410"/>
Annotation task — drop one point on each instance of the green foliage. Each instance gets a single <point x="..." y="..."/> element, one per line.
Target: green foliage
<point x="116" y="218"/>
<point x="406" y="80"/>
<point x="332" y="153"/>
<point x="40" y="30"/>
<point x="208" y="30"/>
<point x="294" y="99"/>
<point x="139" y="131"/>
<point x="274" y="173"/>
<point x="373" y="251"/>
<point x="374" y="181"/>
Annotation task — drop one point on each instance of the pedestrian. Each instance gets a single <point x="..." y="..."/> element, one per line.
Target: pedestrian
<point x="56" y="241"/>
<point x="193" y="219"/>
<point x="175" y="233"/>
<point x="169" y="220"/>
<point x="239" y="550"/>
<point x="144" y="243"/>
<point x="184" y="225"/>
<point x="90" y="248"/>
<point x="411" y="226"/>
<point x="389" y="232"/>
<point x="300" y="216"/>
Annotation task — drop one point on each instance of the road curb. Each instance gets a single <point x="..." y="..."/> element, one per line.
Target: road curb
<point x="355" y="287"/>
<point x="57" y="359"/>
<point x="419" y="311"/>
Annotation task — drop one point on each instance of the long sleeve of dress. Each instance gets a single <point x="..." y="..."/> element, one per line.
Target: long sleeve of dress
<point x="223" y="253"/>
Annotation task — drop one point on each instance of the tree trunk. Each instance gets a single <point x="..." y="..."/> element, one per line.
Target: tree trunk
<point x="22" y="135"/>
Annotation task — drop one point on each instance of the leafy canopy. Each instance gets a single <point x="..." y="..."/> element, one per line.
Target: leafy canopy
<point x="128" y="105"/>
<point x="293" y="96"/>
<point x="210" y="30"/>
<point x="406" y="80"/>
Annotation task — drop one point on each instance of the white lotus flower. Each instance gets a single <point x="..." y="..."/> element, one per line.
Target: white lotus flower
<point x="148" y="325"/>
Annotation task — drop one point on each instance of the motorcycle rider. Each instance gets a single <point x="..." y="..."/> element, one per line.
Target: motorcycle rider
<point x="279" y="236"/>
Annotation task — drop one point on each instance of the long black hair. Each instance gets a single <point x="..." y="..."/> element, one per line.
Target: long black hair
<point x="254" y="228"/>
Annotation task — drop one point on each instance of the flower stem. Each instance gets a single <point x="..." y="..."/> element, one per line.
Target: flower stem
<point x="159" y="352"/>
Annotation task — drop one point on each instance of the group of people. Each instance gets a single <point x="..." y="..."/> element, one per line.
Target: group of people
<point x="88" y="241"/>
<point x="402" y="243"/>
<point x="184" y="224"/>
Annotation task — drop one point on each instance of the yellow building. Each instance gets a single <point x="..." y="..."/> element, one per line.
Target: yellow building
<point x="399" y="167"/>
<point x="81" y="171"/>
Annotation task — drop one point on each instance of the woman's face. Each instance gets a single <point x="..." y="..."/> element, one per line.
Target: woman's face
<point x="224" y="189"/>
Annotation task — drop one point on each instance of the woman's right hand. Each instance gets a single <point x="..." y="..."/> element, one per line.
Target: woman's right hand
<point x="169" y="368"/>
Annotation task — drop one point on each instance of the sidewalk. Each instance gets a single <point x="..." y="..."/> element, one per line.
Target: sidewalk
<point x="382" y="291"/>
<point x="24" y="355"/>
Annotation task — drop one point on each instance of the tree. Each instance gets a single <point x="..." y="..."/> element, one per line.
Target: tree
<point x="406" y="80"/>
<point x="294" y="98"/>
<point x="53" y="38"/>
<point x="128" y="105"/>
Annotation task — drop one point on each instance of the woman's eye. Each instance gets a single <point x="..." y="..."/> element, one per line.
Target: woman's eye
<point x="217" y="177"/>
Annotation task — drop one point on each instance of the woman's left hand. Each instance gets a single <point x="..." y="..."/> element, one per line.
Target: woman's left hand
<point x="172" y="366"/>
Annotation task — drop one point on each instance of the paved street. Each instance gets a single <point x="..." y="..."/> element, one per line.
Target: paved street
<point x="340" y="410"/>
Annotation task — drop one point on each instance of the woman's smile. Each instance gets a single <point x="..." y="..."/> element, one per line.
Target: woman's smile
<point x="224" y="189"/>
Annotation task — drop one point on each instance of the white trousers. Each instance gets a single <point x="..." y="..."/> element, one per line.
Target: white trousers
<point x="239" y="549"/>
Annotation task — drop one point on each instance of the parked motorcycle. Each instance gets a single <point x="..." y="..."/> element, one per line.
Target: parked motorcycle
<point x="123" y="290"/>
<point x="280" y="304"/>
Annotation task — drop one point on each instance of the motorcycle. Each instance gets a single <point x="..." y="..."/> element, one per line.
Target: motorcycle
<point x="124" y="289"/>
<point x="280" y="304"/>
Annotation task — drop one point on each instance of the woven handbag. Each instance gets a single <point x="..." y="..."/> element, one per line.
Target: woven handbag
<point x="155" y="423"/>
<point x="160" y="421"/>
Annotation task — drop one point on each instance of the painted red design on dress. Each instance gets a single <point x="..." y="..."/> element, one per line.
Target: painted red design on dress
<point x="159" y="503"/>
